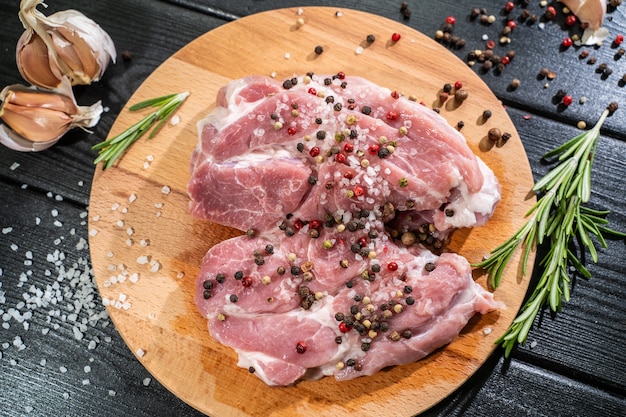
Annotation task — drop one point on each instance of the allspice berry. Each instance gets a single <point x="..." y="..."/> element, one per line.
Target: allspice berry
<point x="461" y="95"/>
<point x="494" y="134"/>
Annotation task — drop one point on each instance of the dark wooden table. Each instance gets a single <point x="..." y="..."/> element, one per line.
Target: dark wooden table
<point x="59" y="353"/>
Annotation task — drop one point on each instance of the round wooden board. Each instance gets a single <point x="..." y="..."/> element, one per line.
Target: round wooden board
<point x="132" y="214"/>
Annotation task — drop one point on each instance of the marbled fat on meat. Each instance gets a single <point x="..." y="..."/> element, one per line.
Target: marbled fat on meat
<point x="328" y="172"/>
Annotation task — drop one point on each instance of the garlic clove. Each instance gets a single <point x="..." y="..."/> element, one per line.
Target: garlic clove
<point x="589" y="12"/>
<point x="36" y="123"/>
<point x="34" y="64"/>
<point x="36" y="119"/>
<point x="76" y="47"/>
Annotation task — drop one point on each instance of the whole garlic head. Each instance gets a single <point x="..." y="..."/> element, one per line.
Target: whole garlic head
<point x="35" y="119"/>
<point x="64" y="44"/>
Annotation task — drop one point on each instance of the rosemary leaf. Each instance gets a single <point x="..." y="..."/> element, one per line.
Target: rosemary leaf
<point x="110" y="150"/>
<point x="556" y="219"/>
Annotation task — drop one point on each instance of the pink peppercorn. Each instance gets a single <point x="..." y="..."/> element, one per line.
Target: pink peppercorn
<point x="458" y="85"/>
<point x="391" y="115"/>
<point x="315" y="151"/>
<point x="505" y="60"/>
<point x="312" y="91"/>
<point x="395" y="37"/>
<point x="619" y="39"/>
<point x="301" y="347"/>
<point x="291" y="130"/>
<point x="373" y="149"/>
<point x="550" y="12"/>
<point x="343" y="327"/>
<point x="567" y="100"/>
<point x="570" y="20"/>
<point x="392" y="266"/>
<point x="246" y="282"/>
<point x="511" y="24"/>
<point x="359" y="191"/>
<point x="509" y="6"/>
<point x="567" y="42"/>
<point x="450" y="20"/>
<point x="348" y="147"/>
<point x="341" y="75"/>
<point x="341" y="158"/>
<point x="395" y="94"/>
<point x="315" y="224"/>
<point x="490" y="44"/>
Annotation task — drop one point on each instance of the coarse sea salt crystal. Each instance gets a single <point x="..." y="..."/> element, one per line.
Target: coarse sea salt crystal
<point x="175" y="120"/>
<point x="143" y="259"/>
<point x="166" y="189"/>
<point x="14" y="166"/>
<point x="146" y="381"/>
<point x="140" y="352"/>
<point x="7" y="230"/>
<point x="359" y="50"/>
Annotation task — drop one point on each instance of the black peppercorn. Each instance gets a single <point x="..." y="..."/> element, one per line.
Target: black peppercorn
<point x="319" y="49"/>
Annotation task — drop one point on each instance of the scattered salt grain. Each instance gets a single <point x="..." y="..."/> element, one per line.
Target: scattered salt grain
<point x="42" y="362"/>
<point x="112" y="393"/>
<point x="140" y="352"/>
<point x="86" y="381"/>
<point x="146" y="381"/>
<point x="28" y="409"/>
<point x="155" y="266"/>
<point x="166" y="190"/>
<point x="87" y="369"/>
<point x="66" y="396"/>
<point x="300" y="11"/>
<point x="487" y="330"/>
<point x="93" y="232"/>
<point x="14" y="166"/>
<point x="150" y="158"/>
<point x="180" y="275"/>
<point x="132" y="198"/>
<point x="81" y="183"/>
<point x="130" y="231"/>
<point x="120" y="223"/>
<point x="7" y="230"/>
<point x="115" y="207"/>
<point x="359" y="50"/>
<point x="287" y="55"/>
<point x="134" y="277"/>
<point x="144" y="242"/>
<point x="143" y="259"/>
<point x="175" y="120"/>
<point x="58" y="197"/>
<point x="62" y="369"/>
<point x="533" y="344"/>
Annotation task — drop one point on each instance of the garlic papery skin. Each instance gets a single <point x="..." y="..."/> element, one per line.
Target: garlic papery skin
<point x="64" y="44"/>
<point x="35" y="120"/>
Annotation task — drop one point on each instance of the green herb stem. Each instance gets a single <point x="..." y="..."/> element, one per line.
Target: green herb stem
<point x="557" y="218"/>
<point x="111" y="149"/>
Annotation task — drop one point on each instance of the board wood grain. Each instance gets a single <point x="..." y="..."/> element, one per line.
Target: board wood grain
<point x="146" y="249"/>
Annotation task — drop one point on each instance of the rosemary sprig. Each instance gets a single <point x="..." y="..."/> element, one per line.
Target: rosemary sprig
<point x="557" y="218"/>
<point x="110" y="150"/>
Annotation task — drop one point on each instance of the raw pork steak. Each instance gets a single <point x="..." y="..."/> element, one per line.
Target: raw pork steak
<point x="348" y="194"/>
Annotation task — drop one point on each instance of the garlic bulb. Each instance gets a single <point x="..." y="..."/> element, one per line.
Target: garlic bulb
<point x="35" y="119"/>
<point x="64" y="44"/>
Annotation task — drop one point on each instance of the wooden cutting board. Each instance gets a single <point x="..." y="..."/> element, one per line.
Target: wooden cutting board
<point x="146" y="249"/>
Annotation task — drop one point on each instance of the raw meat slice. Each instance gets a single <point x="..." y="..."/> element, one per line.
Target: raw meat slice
<point x="326" y="173"/>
